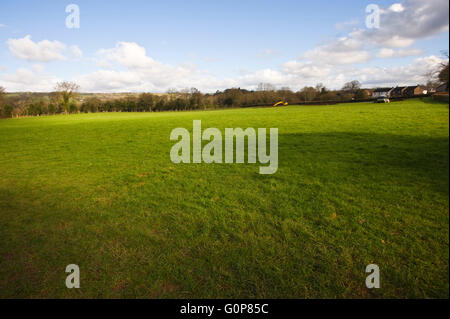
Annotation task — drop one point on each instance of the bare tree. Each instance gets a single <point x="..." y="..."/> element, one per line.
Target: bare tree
<point x="432" y="77"/>
<point x="193" y="90"/>
<point x="320" y="87"/>
<point x="66" y="91"/>
<point x="266" y="87"/>
<point x="443" y="71"/>
<point x="172" y="93"/>
<point x="2" y="93"/>
<point x="438" y="75"/>
<point x="307" y="94"/>
<point x="352" y="86"/>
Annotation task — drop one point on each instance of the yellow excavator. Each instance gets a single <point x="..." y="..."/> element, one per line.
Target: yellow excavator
<point x="281" y="103"/>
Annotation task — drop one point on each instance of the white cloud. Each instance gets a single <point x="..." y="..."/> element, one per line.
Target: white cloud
<point x="299" y="74"/>
<point x="128" y="54"/>
<point x="37" y="68"/>
<point x="293" y="74"/>
<point x="392" y="53"/>
<point x="43" y="51"/>
<point x="306" y="69"/>
<point x="129" y="67"/>
<point x="142" y="73"/>
<point x="411" y="74"/>
<point x="397" y="42"/>
<point x="76" y="52"/>
<point x="145" y="74"/>
<point x="404" y="23"/>
<point x="342" y="51"/>
<point x="397" y="7"/>
<point x="400" y="26"/>
<point x="32" y="80"/>
<point x="110" y="80"/>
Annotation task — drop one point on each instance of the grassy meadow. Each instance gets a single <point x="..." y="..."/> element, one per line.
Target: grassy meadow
<point x="357" y="184"/>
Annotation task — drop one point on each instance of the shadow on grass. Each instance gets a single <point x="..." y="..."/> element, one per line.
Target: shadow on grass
<point x="426" y="158"/>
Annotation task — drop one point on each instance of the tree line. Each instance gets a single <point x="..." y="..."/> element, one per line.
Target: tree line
<point x="65" y="99"/>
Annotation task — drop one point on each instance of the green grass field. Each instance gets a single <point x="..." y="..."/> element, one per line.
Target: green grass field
<point x="357" y="184"/>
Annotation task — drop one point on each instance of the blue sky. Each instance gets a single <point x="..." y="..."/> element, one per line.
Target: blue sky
<point x="216" y="44"/>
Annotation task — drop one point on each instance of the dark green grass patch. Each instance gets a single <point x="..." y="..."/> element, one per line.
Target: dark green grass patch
<point x="357" y="184"/>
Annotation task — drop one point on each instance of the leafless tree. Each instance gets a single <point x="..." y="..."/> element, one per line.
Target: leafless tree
<point x="2" y="93"/>
<point x="443" y="71"/>
<point x="352" y="86"/>
<point x="432" y="77"/>
<point x="266" y="87"/>
<point x="66" y="91"/>
<point x="307" y="94"/>
<point x="438" y="75"/>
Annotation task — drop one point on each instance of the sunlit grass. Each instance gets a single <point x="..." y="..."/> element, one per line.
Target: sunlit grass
<point x="357" y="184"/>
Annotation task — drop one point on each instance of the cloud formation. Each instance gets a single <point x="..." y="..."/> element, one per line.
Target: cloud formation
<point x="400" y="53"/>
<point x="404" y="23"/>
<point x="76" y="52"/>
<point x="43" y="51"/>
<point x="128" y="66"/>
<point x="343" y="51"/>
<point x="131" y="69"/>
<point x="33" y="79"/>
